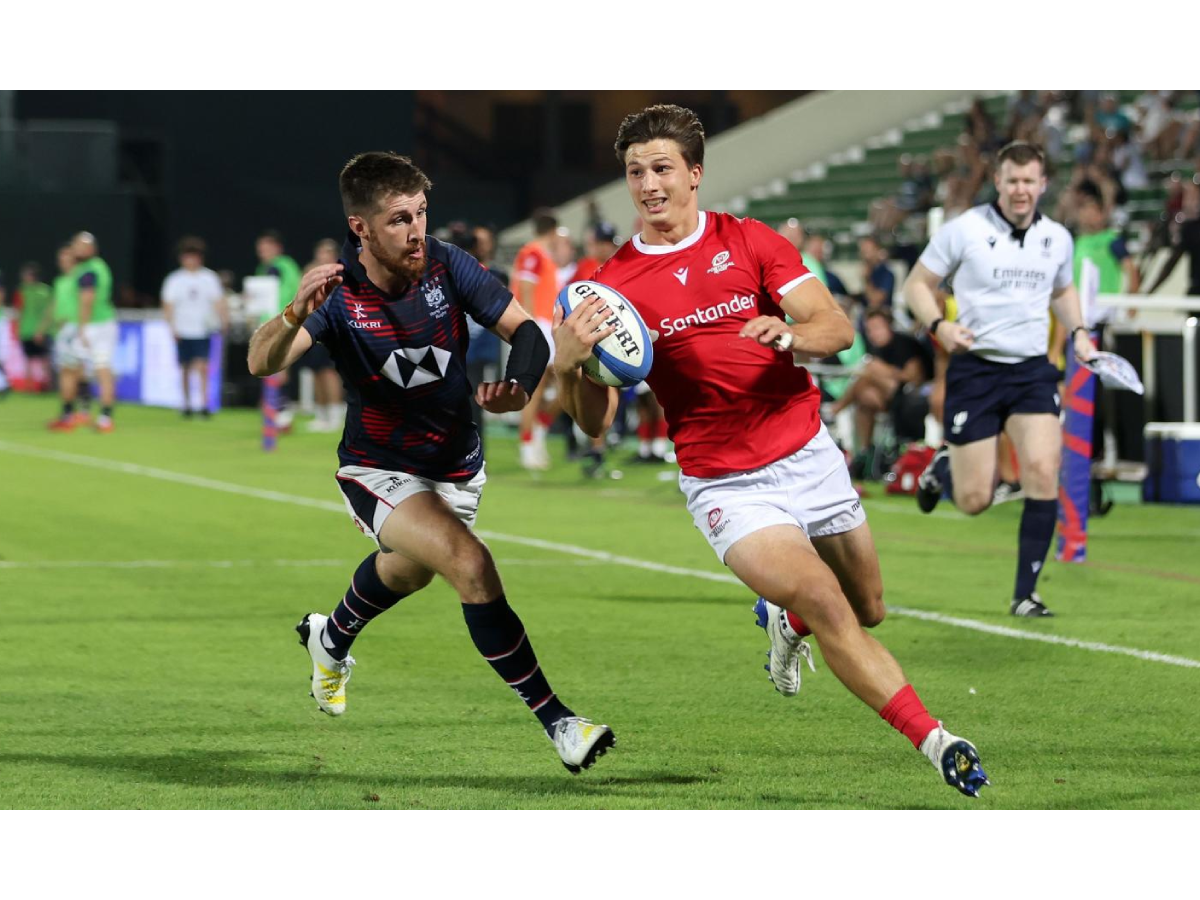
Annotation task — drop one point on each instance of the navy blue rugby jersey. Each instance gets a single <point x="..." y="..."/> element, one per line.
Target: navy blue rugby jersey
<point x="403" y="361"/>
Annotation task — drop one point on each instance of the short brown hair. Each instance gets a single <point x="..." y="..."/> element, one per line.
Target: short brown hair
<point x="1021" y="153"/>
<point x="667" y="122"/>
<point x="370" y="177"/>
<point x="878" y="313"/>
<point x="191" y="244"/>
<point x="544" y="221"/>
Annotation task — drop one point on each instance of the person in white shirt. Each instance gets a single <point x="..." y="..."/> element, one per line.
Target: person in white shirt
<point x="1008" y="265"/>
<point x="194" y="305"/>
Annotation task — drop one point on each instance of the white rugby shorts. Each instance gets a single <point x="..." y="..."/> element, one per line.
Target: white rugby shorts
<point x="372" y="494"/>
<point x="97" y="353"/>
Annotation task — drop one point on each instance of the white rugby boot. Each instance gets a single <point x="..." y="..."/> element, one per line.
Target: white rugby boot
<point x="786" y="648"/>
<point x="580" y="742"/>
<point x="329" y="675"/>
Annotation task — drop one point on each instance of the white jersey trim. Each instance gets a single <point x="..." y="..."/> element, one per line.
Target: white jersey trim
<point x="663" y="249"/>
<point x="795" y="283"/>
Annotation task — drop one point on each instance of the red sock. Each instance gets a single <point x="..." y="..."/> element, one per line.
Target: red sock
<point x="526" y="436"/>
<point x="544" y="420"/>
<point x="797" y="624"/>
<point x="643" y="431"/>
<point x="660" y="428"/>
<point x="907" y="714"/>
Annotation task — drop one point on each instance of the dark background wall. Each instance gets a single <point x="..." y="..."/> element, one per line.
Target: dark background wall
<point x="142" y="169"/>
<point x="221" y="165"/>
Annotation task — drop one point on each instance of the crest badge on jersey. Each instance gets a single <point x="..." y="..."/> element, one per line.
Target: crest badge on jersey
<point x="435" y="297"/>
<point x="720" y="263"/>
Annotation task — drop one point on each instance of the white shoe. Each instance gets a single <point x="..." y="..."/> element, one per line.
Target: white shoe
<point x="534" y="456"/>
<point x="786" y="648"/>
<point x="329" y="675"/>
<point x="323" y="426"/>
<point x="580" y="742"/>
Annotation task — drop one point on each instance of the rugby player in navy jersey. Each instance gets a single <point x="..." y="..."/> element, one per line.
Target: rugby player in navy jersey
<point x="393" y="314"/>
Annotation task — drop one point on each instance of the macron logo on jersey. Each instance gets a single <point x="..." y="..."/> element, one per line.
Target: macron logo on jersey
<point x="708" y="314"/>
<point x="681" y="274"/>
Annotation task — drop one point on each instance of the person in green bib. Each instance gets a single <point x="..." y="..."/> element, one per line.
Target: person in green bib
<point x="65" y="305"/>
<point x="91" y="351"/>
<point x="36" y="302"/>
<point x="273" y="261"/>
<point x="1105" y="247"/>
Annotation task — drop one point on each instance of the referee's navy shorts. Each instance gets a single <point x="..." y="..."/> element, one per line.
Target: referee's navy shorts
<point x="981" y="394"/>
<point x="191" y="349"/>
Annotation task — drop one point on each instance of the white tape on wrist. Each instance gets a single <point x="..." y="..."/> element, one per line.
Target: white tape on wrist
<point x="785" y="341"/>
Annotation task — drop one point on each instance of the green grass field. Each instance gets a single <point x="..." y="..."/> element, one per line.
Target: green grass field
<point x="151" y="662"/>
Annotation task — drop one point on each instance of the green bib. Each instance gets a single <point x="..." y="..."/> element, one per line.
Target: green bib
<point x="66" y="301"/>
<point x="34" y="299"/>
<point x="289" y="278"/>
<point x="1098" y="248"/>
<point x="102" y="305"/>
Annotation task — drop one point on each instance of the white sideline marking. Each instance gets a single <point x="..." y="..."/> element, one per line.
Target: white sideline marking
<point x="571" y="549"/>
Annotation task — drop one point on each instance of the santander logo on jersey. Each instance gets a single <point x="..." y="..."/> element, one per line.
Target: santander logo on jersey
<point x="668" y="327"/>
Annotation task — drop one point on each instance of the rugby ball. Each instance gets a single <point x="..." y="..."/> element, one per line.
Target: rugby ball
<point x="624" y="357"/>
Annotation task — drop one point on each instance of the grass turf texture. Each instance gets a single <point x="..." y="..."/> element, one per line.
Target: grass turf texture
<point x="180" y="684"/>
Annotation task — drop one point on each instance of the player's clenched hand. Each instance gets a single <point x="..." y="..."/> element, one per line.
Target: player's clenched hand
<point x="1084" y="348"/>
<point x="769" y="331"/>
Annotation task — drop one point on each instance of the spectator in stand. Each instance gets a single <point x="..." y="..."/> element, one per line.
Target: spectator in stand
<point x="879" y="284"/>
<point x="600" y="243"/>
<point x="35" y="300"/>
<point x="814" y="254"/>
<point x="194" y="305"/>
<point x="794" y="232"/>
<point x="1109" y="117"/>
<point x="327" y="384"/>
<point x="1023" y="110"/>
<point x="1127" y="162"/>
<point x="1160" y="127"/>
<point x="962" y="184"/>
<point x="1185" y="239"/>
<point x="981" y="128"/>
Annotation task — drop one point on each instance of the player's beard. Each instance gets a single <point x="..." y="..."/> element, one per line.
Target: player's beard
<point x="401" y="264"/>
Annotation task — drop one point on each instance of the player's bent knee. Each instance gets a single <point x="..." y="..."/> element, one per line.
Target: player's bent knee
<point x="973" y="502"/>
<point x="873" y="612"/>
<point x="823" y="607"/>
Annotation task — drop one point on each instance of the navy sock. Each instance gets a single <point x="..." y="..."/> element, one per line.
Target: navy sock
<point x="941" y="469"/>
<point x="1037" y="530"/>
<point x="499" y="635"/>
<point x="367" y="597"/>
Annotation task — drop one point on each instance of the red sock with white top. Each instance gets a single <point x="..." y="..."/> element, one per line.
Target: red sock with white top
<point x="907" y="714"/>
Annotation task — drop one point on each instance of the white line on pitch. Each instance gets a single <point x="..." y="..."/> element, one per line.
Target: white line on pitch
<point x="235" y="563"/>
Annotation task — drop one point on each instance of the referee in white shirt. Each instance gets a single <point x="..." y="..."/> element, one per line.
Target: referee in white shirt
<point x="1008" y="265"/>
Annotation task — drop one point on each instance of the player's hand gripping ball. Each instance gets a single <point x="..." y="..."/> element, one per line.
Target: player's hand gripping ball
<point x="624" y="357"/>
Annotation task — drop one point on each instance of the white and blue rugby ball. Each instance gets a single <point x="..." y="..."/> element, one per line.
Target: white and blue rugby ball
<point x="624" y="357"/>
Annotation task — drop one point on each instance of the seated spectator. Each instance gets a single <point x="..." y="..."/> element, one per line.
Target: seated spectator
<point x="898" y="365"/>
<point x="879" y="284"/>
<point x="1127" y="162"/>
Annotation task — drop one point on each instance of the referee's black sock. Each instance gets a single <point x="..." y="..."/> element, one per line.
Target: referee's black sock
<point x="366" y="598"/>
<point x="1037" y="530"/>
<point x="941" y="471"/>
